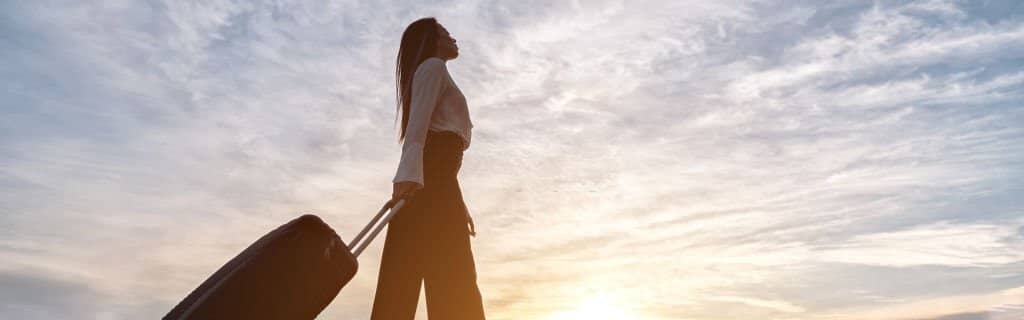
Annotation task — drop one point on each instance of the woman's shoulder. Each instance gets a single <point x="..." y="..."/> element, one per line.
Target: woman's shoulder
<point x="434" y="60"/>
<point x="432" y="64"/>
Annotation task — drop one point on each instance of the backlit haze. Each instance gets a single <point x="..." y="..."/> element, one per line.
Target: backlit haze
<point x="651" y="160"/>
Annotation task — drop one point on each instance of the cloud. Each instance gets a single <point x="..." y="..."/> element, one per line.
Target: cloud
<point x="43" y="297"/>
<point x="999" y="305"/>
<point x="965" y="316"/>
<point x="941" y="243"/>
<point x="770" y="304"/>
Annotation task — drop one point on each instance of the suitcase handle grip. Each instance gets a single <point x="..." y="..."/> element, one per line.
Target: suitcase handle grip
<point x="357" y="246"/>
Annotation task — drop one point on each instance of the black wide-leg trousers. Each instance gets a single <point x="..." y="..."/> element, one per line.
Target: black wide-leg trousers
<point x="428" y="241"/>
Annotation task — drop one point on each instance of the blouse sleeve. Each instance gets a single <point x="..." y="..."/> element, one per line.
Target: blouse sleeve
<point x="427" y="85"/>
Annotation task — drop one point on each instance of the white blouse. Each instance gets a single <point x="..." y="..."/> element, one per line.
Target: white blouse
<point x="437" y="104"/>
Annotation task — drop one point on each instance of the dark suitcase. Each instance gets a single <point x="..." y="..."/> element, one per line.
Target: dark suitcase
<point x="293" y="272"/>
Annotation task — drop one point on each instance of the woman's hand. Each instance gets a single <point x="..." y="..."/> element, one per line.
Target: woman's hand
<point x="402" y="189"/>
<point x="472" y="227"/>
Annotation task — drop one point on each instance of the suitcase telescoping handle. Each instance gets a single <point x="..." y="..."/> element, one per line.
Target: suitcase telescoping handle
<point x="357" y="246"/>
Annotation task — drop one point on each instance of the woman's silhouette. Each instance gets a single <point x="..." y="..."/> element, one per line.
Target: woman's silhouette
<point x="428" y="240"/>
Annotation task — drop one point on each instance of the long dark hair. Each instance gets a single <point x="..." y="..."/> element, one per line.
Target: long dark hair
<point x="419" y="42"/>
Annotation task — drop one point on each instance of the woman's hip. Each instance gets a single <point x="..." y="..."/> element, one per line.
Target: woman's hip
<point x="442" y="157"/>
<point x="439" y="205"/>
<point x="437" y="210"/>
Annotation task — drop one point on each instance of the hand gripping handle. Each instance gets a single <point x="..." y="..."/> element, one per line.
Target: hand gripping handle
<point x="357" y="246"/>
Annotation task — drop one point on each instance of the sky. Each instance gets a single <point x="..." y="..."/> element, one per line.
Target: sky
<point x="631" y="159"/>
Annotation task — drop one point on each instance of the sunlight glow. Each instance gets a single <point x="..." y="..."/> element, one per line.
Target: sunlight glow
<point x="599" y="307"/>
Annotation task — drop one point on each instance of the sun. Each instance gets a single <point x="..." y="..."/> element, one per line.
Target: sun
<point x="597" y="307"/>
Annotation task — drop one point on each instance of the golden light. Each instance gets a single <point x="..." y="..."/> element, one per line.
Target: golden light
<point x="597" y="307"/>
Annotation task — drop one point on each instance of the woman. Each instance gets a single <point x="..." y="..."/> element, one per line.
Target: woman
<point x="428" y="240"/>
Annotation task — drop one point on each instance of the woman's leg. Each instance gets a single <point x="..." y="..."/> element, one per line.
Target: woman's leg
<point x="398" y="284"/>
<point x="450" y="273"/>
<point x="451" y="288"/>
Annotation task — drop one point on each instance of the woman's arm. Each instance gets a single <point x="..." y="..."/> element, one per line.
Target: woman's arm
<point x="427" y="85"/>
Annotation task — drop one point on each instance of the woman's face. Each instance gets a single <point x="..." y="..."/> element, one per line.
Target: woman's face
<point x="446" y="47"/>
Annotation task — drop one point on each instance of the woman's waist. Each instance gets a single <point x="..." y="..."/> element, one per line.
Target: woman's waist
<point x="442" y="154"/>
<point x="445" y="139"/>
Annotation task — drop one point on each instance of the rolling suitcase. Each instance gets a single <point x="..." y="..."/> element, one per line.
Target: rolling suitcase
<point x="292" y="272"/>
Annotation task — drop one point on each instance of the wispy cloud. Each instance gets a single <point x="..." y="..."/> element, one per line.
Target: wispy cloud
<point x="937" y="244"/>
